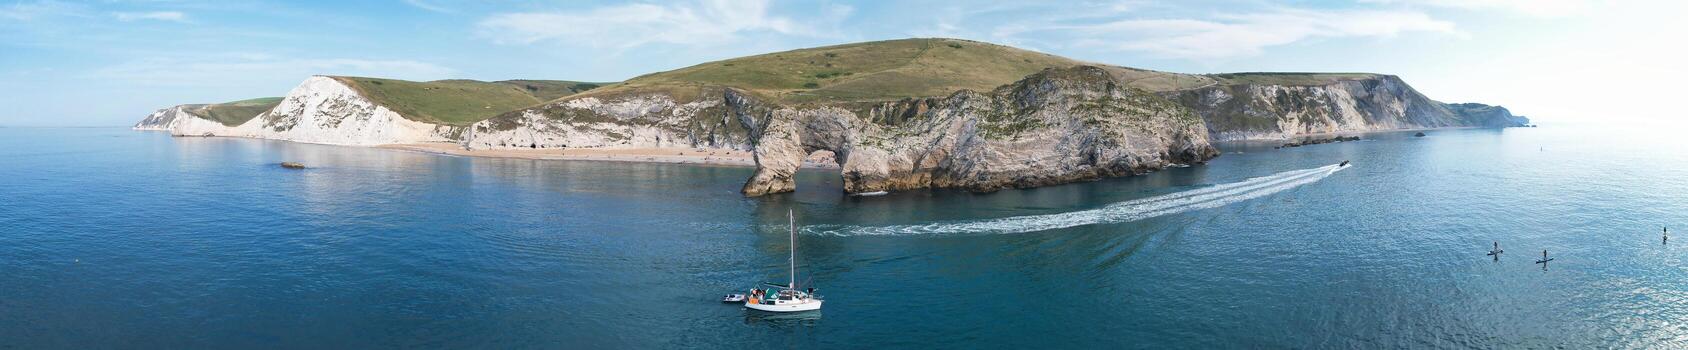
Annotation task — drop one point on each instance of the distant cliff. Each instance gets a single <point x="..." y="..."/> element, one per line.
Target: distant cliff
<point x="227" y="113"/>
<point x="360" y="111"/>
<point x="162" y="119"/>
<point x="1255" y="106"/>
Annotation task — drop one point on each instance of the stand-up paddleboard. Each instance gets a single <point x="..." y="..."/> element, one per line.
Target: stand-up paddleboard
<point x="1543" y="261"/>
<point x="1496" y="252"/>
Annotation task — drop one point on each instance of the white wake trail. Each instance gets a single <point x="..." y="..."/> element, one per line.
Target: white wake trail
<point x="1127" y="211"/>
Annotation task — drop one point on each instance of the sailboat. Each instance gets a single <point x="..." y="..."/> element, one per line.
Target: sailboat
<point x="788" y="298"/>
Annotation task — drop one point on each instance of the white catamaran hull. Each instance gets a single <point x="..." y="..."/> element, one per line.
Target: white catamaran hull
<point x="792" y="307"/>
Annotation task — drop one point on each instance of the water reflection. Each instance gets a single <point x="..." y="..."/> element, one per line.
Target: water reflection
<point x="782" y="319"/>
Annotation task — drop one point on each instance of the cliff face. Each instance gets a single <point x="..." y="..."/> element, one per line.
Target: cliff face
<point x="1488" y="116"/>
<point x="325" y="110"/>
<point x="163" y="119"/>
<point x="630" y="120"/>
<point x="320" y="110"/>
<point x="1056" y="126"/>
<point x="1253" y="111"/>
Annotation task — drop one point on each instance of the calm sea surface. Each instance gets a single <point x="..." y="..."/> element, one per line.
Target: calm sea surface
<point x="111" y="238"/>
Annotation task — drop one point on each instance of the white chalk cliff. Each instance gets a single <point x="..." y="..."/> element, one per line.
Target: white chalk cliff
<point x="320" y="110"/>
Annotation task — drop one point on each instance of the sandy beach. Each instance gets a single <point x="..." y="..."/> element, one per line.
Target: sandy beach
<point x="705" y="156"/>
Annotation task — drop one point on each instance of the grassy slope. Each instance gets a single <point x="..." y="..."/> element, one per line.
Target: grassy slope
<point x="883" y="70"/>
<point x="460" y="102"/>
<point x="237" y="112"/>
<point x="1288" y="78"/>
<point x="857" y="72"/>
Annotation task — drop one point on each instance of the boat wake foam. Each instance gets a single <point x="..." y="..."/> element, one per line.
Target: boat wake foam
<point x="1127" y="211"/>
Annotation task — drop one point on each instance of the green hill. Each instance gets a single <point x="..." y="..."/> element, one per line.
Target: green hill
<point x="234" y="113"/>
<point x="883" y="70"/>
<point x="460" y="102"/>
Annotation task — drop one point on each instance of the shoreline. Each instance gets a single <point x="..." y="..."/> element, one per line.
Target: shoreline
<point x="1349" y="133"/>
<point x="708" y="156"/>
<point x="696" y="156"/>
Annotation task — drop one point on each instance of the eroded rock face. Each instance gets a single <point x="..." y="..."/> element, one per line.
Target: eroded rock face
<point x="1384" y="102"/>
<point x="324" y="110"/>
<point x="651" y="120"/>
<point x="1057" y="126"/>
<point x="320" y="110"/>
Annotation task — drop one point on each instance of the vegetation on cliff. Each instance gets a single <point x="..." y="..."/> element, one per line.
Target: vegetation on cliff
<point x="1288" y="78"/>
<point x="883" y="71"/>
<point x="234" y="113"/>
<point x="460" y="102"/>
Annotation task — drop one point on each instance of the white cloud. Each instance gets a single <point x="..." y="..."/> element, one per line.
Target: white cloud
<point x="171" y="16"/>
<point x="1229" y="36"/>
<point x="1537" y="8"/>
<point x="428" y="6"/>
<point x="258" y="69"/>
<point x="702" y="23"/>
<point x="26" y="11"/>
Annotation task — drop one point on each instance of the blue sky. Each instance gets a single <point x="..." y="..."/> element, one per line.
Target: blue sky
<point x="66" y="63"/>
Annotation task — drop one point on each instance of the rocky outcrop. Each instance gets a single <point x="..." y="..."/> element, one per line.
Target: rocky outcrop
<point x="1254" y="111"/>
<point x="1319" y="141"/>
<point x="1056" y="126"/>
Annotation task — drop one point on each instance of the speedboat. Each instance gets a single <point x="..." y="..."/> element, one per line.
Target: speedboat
<point x="732" y="298"/>
<point x="788" y="298"/>
<point x="871" y="194"/>
<point x="1344" y="163"/>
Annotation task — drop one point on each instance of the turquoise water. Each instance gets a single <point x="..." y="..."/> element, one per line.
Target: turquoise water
<point x="115" y="238"/>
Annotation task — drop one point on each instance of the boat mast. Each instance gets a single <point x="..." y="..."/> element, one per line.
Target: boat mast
<point x="792" y="215"/>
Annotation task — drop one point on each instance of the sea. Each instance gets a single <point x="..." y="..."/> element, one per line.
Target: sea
<point x="112" y="238"/>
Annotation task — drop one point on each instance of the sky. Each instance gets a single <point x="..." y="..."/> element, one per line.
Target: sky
<point x="111" y="62"/>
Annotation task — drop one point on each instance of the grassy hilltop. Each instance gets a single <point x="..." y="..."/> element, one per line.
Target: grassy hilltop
<point x="234" y="113"/>
<point x="1288" y="78"/>
<point x="858" y="72"/>
<point x="883" y="70"/>
<point x="460" y="102"/>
